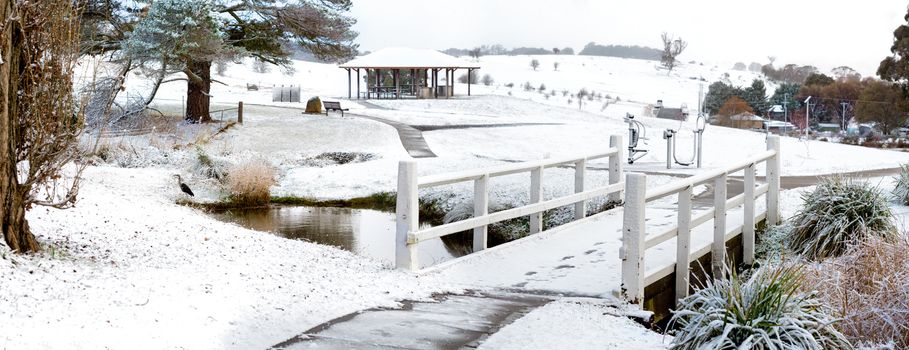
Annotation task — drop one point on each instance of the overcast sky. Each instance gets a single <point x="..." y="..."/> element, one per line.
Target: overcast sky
<point x="821" y="33"/>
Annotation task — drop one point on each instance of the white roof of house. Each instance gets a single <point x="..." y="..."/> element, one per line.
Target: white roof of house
<point x="745" y="116"/>
<point x="401" y="57"/>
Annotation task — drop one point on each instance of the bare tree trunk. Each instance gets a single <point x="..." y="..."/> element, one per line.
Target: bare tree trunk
<point x="12" y="216"/>
<point x="197" y="91"/>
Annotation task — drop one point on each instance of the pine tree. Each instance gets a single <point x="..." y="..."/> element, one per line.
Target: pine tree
<point x="756" y="96"/>
<point x="187" y="36"/>
<point x="895" y="68"/>
<point x="717" y="94"/>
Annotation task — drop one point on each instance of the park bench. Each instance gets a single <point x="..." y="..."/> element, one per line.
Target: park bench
<point x="333" y="106"/>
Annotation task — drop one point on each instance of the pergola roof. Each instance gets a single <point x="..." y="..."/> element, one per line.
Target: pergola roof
<point x="407" y="58"/>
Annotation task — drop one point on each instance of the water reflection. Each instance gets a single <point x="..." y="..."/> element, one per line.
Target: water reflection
<point x="366" y="232"/>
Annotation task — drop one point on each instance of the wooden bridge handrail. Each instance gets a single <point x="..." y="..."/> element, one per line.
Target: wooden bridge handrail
<point x="407" y="232"/>
<point x="506" y="169"/>
<point x="635" y="240"/>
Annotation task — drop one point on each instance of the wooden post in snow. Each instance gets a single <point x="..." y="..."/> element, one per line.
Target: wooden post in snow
<point x="615" y="166"/>
<point x="407" y="216"/>
<point x="240" y="112"/>
<point x="632" y="251"/>
<point x="718" y="249"/>
<point x="683" y="246"/>
<point x="773" y="182"/>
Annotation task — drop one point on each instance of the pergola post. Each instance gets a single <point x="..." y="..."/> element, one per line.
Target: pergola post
<point x="378" y="83"/>
<point x="468" y="80"/>
<point x="451" y="83"/>
<point x="397" y="73"/>
<point x="358" y="83"/>
<point x="348" y="83"/>
<point x="435" y="83"/>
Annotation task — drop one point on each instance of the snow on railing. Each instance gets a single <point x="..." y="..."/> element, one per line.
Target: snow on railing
<point x="408" y="238"/>
<point x="635" y="240"/>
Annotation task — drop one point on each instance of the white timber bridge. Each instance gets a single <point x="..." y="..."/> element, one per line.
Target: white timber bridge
<point x="644" y="252"/>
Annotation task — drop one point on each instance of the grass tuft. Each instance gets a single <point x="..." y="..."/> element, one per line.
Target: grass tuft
<point x="868" y="289"/>
<point x="901" y="190"/>
<point x="766" y="311"/>
<point x="838" y="213"/>
<point x="249" y="182"/>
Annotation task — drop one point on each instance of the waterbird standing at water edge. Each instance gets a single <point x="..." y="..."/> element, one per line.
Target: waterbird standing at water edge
<point x="183" y="186"/>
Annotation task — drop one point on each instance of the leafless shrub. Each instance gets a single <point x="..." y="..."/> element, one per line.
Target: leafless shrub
<point x="473" y="77"/>
<point x="221" y="67"/>
<point x="260" y="66"/>
<point x="47" y="117"/>
<point x="487" y="80"/>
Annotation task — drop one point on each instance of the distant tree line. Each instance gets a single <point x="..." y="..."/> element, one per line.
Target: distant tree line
<point x="623" y="51"/>
<point x="838" y="98"/>
<point x="492" y="50"/>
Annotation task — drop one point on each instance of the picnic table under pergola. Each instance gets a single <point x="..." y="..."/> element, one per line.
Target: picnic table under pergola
<point x="393" y="73"/>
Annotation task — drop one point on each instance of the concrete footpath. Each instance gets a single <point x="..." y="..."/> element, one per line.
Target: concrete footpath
<point x="452" y="322"/>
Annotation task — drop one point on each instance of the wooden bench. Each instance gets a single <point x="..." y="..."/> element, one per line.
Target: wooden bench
<point x="333" y="106"/>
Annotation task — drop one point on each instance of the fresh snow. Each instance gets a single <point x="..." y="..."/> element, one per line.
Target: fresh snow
<point x="403" y="57"/>
<point x="129" y="268"/>
<point x="575" y="324"/>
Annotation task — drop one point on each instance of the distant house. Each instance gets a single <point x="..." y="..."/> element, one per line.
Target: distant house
<point x="663" y="112"/>
<point x="778" y="127"/>
<point x="747" y="121"/>
<point x="828" y="127"/>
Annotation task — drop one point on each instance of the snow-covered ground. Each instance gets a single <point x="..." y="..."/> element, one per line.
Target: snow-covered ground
<point x="575" y="324"/>
<point x="128" y="268"/>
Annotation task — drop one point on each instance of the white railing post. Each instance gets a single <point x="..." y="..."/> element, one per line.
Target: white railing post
<point x="718" y="248"/>
<point x="580" y="169"/>
<point x="536" y="196"/>
<point x="683" y="246"/>
<point x="407" y="212"/>
<point x="773" y="181"/>
<point x="480" y="208"/>
<point x="748" y="224"/>
<point x="615" y="166"/>
<point x="633" y="234"/>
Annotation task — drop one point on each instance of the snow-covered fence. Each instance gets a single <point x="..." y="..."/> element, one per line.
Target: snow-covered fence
<point x="408" y="237"/>
<point x="635" y="240"/>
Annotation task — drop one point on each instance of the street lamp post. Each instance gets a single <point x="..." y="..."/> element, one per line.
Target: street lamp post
<point x="807" y="111"/>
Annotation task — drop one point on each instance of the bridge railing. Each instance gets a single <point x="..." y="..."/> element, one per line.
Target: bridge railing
<point x="408" y="235"/>
<point x="635" y="240"/>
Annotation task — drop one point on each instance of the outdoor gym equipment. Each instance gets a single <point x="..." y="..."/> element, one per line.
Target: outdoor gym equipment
<point x="669" y="136"/>
<point x="635" y="130"/>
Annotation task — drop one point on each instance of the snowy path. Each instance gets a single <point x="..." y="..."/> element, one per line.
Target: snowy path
<point x="452" y="322"/>
<point x="411" y="137"/>
<point x="576" y="259"/>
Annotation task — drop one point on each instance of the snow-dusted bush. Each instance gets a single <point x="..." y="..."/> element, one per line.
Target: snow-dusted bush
<point x="249" y="182"/>
<point x="766" y="311"/>
<point x="261" y="67"/>
<point x="901" y="190"/>
<point x="487" y="80"/>
<point x="208" y="166"/>
<point x="868" y="289"/>
<point x="839" y="212"/>
<point x="772" y="246"/>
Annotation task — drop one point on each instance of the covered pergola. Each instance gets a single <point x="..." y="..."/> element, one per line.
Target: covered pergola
<point x="394" y="73"/>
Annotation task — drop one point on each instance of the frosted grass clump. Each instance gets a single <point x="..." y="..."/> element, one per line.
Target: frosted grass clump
<point x="766" y="311"/>
<point x="838" y="213"/>
<point x="901" y="190"/>
<point x="868" y="289"/>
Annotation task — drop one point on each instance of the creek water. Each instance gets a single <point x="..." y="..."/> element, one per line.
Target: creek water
<point x="365" y="232"/>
